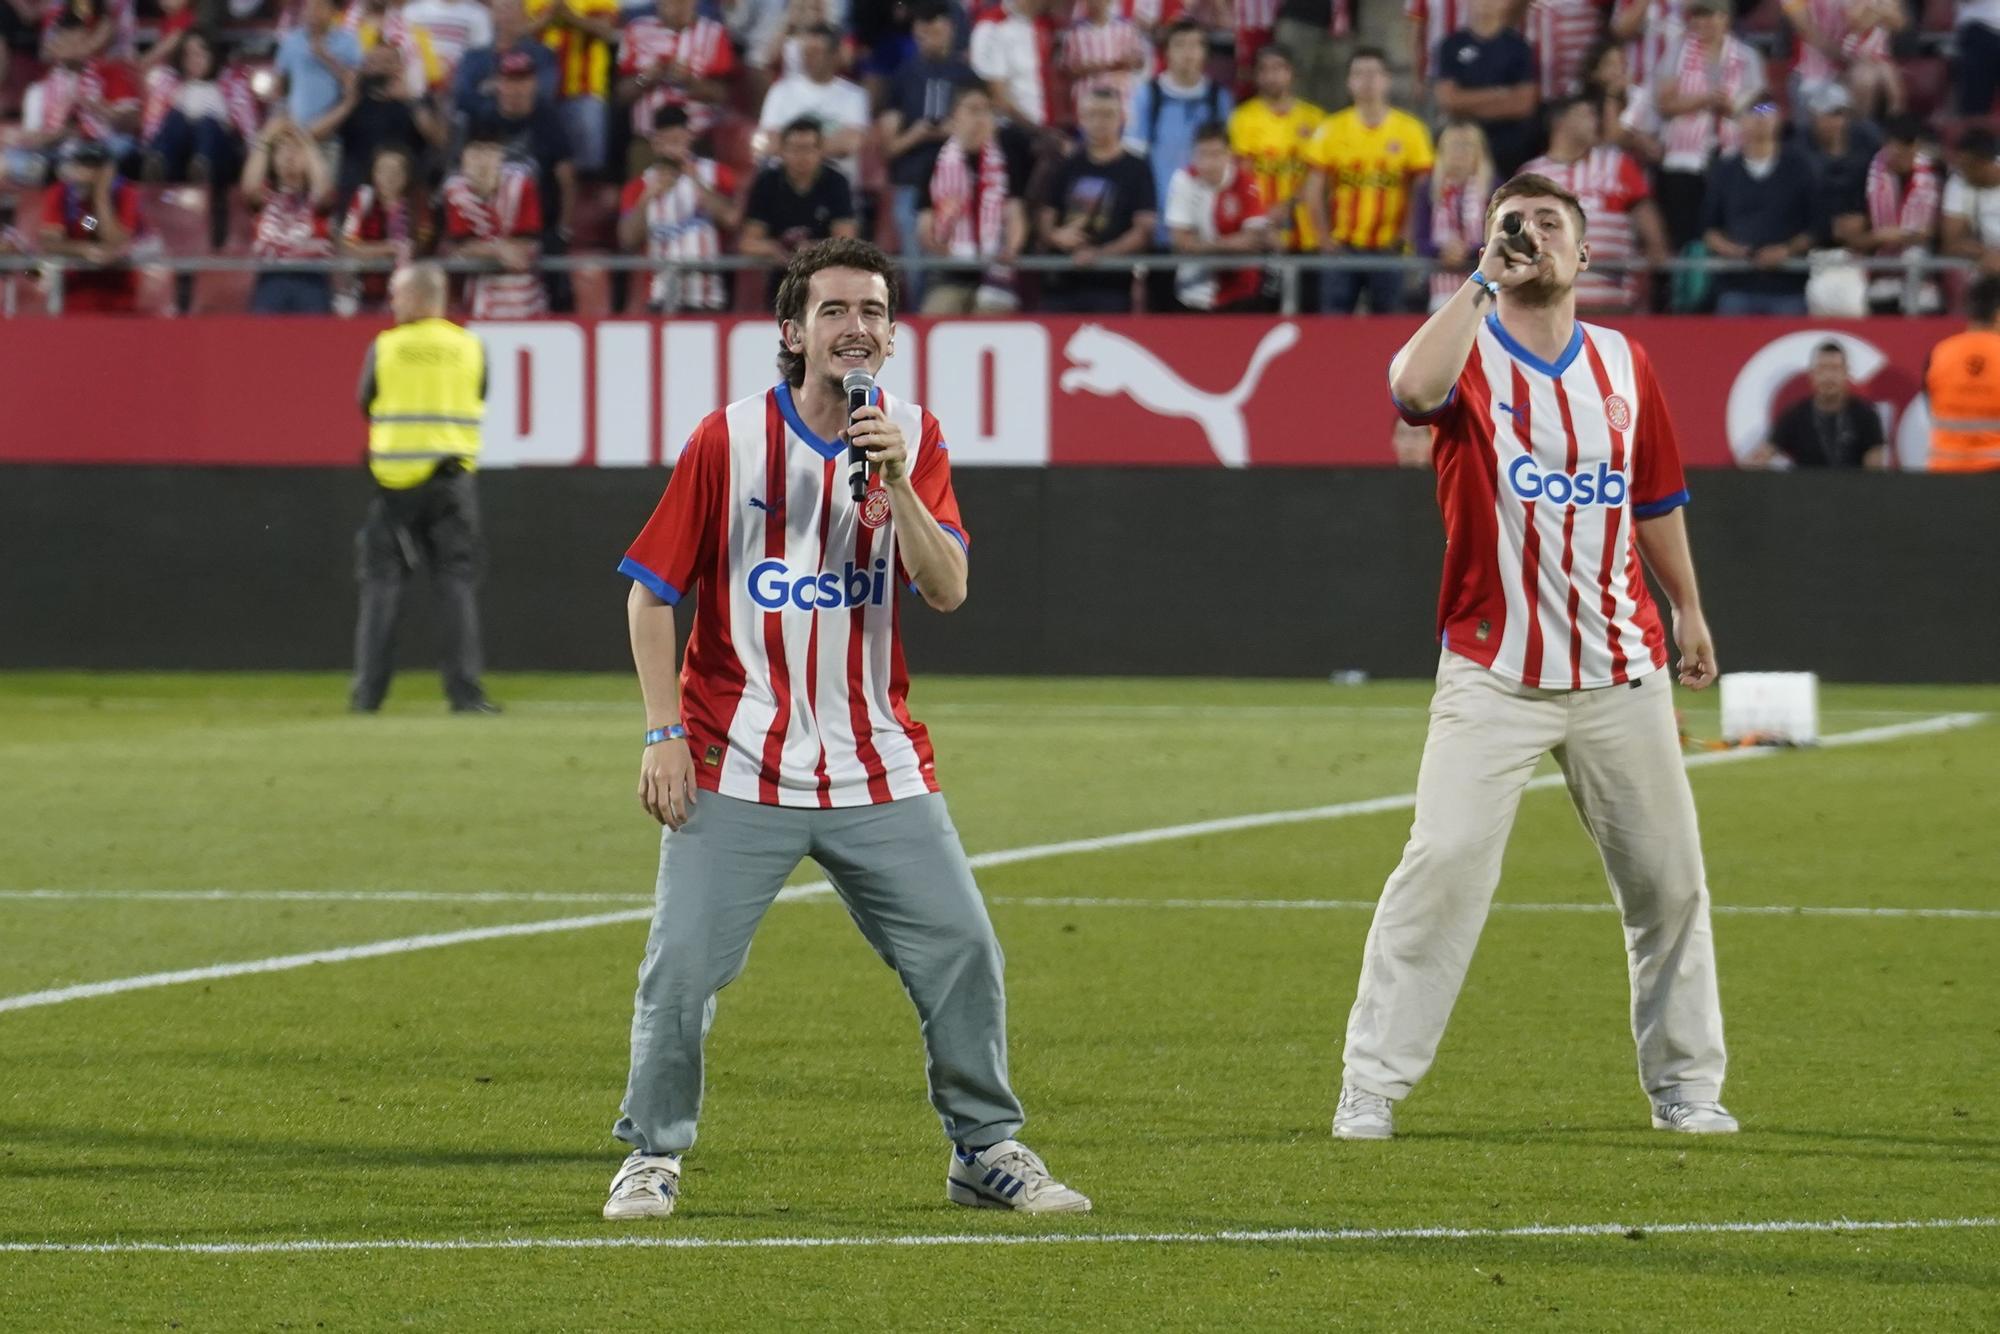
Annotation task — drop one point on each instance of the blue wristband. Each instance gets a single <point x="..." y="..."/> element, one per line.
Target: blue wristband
<point x="674" y="732"/>
<point x="1485" y="284"/>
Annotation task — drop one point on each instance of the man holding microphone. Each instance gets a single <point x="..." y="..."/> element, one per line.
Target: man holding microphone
<point x="423" y="390"/>
<point x="786" y="734"/>
<point x="1558" y="472"/>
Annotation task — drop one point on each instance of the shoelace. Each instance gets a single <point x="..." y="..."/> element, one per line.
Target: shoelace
<point x="1679" y="1113"/>
<point x="645" y="1180"/>
<point x="1361" y="1100"/>
<point x="1024" y="1164"/>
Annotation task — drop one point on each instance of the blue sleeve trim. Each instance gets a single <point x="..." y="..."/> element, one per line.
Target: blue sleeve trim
<point x="1416" y="418"/>
<point x="1653" y="509"/>
<point x="659" y="587"/>
<point x="963" y="543"/>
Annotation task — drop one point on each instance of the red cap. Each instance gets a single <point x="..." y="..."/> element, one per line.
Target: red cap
<point x="517" y="64"/>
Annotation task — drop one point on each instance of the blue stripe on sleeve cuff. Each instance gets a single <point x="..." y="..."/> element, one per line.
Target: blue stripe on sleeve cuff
<point x="1653" y="509"/>
<point x="963" y="544"/>
<point x="1415" y="418"/>
<point x="659" y="587"/>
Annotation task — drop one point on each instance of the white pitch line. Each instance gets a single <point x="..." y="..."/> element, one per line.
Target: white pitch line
<point x="1004" y="857"/>
<point x="1244" y="1236"/>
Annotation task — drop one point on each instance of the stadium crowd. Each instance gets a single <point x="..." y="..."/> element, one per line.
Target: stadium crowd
<point x="1219" y="131"/>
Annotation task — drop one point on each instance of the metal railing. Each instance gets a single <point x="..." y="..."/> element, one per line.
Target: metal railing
<point x="1914" y="272"/>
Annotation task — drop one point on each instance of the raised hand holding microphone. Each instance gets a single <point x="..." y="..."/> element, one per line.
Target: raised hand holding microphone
<point x="859" y="385"/>
<point x="873" y="440"/>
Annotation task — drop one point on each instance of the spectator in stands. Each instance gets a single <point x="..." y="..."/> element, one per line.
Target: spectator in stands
<point x="1448" y="209"/>
<point x="176" y="22"/>
<point x="1830" y="429"/>
<point x="1101" y="50"/>
<point x="973" y="213"/>
<point x="1758" y="207"/>
<point x="1562" y="33"/>
<point x="1320" y="36"/>
<point x="912" y="123"/>
<point x="287" y="181"/>
<point x="1213" y="208"/>
<point x="1846" y="42"/>
<point x="82" y="96"/>
<point x="1703" y="82"/>
<point x="92" y="216"/>
<point x="671" y="57"/>
<point x="778" y="54"/>
<point x="475" y="83"/>
<point x="1486" y="72"/>
<point x="1098" y="205"/>
<point x="1008" y="50"/>
<point x="1976" y="70"/>
<point x="818" y="93"/>
<point x="319" y="61"/>
<point x="1364" y="161"/>
<point x="1962" y="390"/>
<point x="373" y="113"/>
<point x="1903" y="190"/>
<point x="1839" y="151"/>
<point x="386" y="218"/>
<point x="582" y="34"/>
<point x="454" y="27"/>
<point x="534" y="136"/>
<point x="1971" y="228"/>
<point x="1607" y="81"/>
<point x="675" y="210"/>
<point x="1621" y="220"/>
<point x="20" y="31"/>
<point x="106" y="30"/>
<point x="493" y="211"/>
<point x="1270" y="133"/>
<point x="201" y="114"/>
<point x="381" y="23"/>
<point x="796" y="201"/>
<point x="1168" y="110"/>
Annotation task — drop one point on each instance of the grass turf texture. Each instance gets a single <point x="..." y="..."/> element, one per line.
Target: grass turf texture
<point x="1178" y="1064"/>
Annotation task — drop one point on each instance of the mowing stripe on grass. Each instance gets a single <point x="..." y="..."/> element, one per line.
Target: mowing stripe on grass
<point x="438" y="940"/>
<point x="1343" y="905"/>
<point x="1256" y="1236"/>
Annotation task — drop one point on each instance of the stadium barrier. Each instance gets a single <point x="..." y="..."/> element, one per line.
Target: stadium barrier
<point x="1161" y="571"/>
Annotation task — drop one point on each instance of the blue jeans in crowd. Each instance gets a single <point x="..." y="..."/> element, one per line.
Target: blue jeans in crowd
<point x="181" y="141"/>
<point x="292" y="294"/>
<point x="905" y="203"/>
<point x="1340" y="291"/>
<point x="1760" y="303"/>
<point x="588" y="121"/>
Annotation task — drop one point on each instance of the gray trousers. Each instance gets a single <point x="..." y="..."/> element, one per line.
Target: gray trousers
<point x="1620" y="753"/>
<point x="904" y="877"/>
<point x="434" y="524"/>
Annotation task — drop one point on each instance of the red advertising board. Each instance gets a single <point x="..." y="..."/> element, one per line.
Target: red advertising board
<point x="1220" y="391"/>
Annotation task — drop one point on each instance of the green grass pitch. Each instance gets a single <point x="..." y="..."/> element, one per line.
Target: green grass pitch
<point x="1178" y="1056"/>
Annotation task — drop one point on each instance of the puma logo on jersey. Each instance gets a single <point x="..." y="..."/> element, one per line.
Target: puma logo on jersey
<point x="1109" y="364"/>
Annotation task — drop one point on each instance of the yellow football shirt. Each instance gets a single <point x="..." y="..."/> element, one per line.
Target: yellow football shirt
<point x="1275" y="147"/>
<point x="1369" y="172"/>
<point x="583" y="64"/>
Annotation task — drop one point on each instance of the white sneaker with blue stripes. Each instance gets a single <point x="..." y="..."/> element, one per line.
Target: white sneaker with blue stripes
<point x="1008" y="1175"/>
<point x="647" y="1186"/>
<point x="1694" y="1118"/>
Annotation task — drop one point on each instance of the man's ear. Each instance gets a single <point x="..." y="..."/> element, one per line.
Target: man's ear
<point x="794" y="337"/>
<point x="1583" y="256"/>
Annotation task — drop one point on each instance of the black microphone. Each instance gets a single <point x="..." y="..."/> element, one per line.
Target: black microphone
<point x="860" y="387"/>
<point x="1517" y="240"/>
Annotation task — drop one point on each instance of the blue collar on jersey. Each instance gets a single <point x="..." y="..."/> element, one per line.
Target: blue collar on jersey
<point x="826" y="449"/>
<point x="1554" y="368"/>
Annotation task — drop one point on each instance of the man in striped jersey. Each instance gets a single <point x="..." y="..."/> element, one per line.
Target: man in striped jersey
<point x="1557" y="473"/>
<point x="1625" y="223"/>
<point x="786" y="734"/>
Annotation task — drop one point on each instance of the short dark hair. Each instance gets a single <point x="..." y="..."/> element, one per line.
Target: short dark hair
<point x="1179" y="26"/>
<point x="1558" y="107"/>
<point x="930" y="11"/>
<point x="826" y="30"/>
<point x="485" y="130"/>
<point x="671" y="117"/>
<point x="1982" y="300"/>
<point x="1211" y="129"/>
<point x="841" y="252"/>
<point x="1374" y="53"/>
<point x="1980" y="142"/>
<point x="1278" y="51"/>
<point x="1831" y="347"/>
<point x="802" y="125"/>
<point x="1902" y="129"/>
<point x="962" y="91"/>
<point x="1529" y="185"/>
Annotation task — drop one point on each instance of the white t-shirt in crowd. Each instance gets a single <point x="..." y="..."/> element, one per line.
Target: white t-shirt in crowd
<point x="836" y="104"/>
<point x="1980" y="207"/>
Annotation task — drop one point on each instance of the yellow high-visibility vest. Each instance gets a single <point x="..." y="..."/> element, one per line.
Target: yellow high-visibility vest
<point x="429" y="400"/>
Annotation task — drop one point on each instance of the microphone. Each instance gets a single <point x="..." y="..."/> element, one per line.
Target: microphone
<point x="860" y="387"/>
<point x="1517" y="240"/>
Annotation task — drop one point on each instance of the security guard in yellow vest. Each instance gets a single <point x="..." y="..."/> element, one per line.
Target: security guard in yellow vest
<point x="423" y="389"/>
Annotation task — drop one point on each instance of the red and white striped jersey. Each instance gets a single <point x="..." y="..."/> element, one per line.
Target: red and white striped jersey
<point x="793" y="689"/>
<point x="701" y="49"/>
<point x="512" y="212"/>
<point x="1439" y="19"/>
<point x="1115" y="41"/>
<point x="1609" y="185"/>
<point x="1835" y="21"/>
<point x="87" y="94"/>
<point x="1543" y="470"/>
<point x="289" y="226"/>
<point x="1561" y="31"/>
<point x="678" y="227"/>
<point x="1644" y="53"/>
<point x="163" y="91"/>
<point x="1905" y="203"/>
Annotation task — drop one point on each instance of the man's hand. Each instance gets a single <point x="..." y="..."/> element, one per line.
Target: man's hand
<point x="1509" y="269"/>
<point x="882" y="440"/>
<point x="1697" y="665"/>
<point x="666" y="782"/>
<point x="516" y="257"/>
<point x="1771" y="256"/>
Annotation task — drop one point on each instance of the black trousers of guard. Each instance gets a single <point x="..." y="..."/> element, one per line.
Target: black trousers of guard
<point x="435" y="524"/>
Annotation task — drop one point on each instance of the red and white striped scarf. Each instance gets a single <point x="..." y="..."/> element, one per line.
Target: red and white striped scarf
<point x="289" y="227"/>
<point x="1703" y="133"/>
<point x="979" y="229"/>
<point x="67" y="92"/>
<point x="1906" y="204"/>
<point x="163" y="86"/>
<point x="503" y="296"/>
<point x="1458" y="213"/>
<point x="1836" y="23"/>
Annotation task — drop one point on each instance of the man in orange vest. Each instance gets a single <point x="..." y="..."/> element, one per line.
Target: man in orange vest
<point x="1962" y="382"/>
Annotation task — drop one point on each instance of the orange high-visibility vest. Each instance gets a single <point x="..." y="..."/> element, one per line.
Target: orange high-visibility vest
<point x="1963" y="383"/>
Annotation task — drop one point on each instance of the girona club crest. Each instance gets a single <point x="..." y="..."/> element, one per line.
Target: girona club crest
<point x="1618" y="412"/>
<point x="875" y="509"/>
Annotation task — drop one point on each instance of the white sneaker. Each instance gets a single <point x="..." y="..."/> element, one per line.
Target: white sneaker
<point x="1694" y="1118"/>
<point x="647" y="1186"/>
<point x="1008" y="1175"/>
<point x="1363" y="1115"/>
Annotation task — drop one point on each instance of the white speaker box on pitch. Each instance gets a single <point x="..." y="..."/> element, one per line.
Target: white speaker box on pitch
<point x="1772" y="708"/>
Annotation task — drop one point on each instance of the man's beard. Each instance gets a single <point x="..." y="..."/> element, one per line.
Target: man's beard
<point x="1541" y="292"/>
